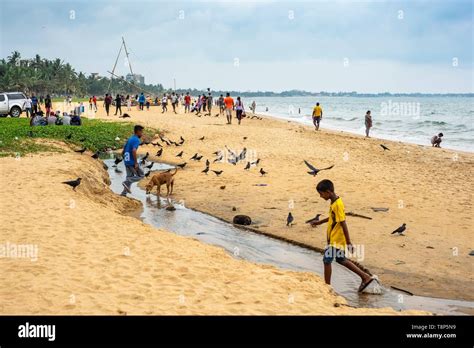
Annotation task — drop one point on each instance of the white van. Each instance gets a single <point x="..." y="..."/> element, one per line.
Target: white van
<point x="12" y="103"/>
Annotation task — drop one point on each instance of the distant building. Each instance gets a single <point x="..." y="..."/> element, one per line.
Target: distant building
<point x="135" y="78"/>
<point x="95" y="75"/>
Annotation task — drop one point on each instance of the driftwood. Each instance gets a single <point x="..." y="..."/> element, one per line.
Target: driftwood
<point x="379" y="209"/>
<point x="358" y="215"/>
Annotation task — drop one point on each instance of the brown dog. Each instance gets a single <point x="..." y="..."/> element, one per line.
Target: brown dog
<point x="160" y="179"/>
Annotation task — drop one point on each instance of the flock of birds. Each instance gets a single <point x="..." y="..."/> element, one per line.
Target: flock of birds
<point x="232" y="158"/>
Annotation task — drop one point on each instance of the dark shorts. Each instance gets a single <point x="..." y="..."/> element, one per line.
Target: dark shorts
<point x="330" y="253"/>
<point x="316" y="120"/>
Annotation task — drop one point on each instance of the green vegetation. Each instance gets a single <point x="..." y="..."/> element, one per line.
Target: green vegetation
<point x="18" y="138"/>
<point x="56" y="78"/>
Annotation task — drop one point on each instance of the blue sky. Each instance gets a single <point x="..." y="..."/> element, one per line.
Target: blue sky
<point x="365" y="46"/>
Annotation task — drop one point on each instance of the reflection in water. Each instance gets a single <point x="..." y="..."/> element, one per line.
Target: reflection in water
<point x="262" y="249"/>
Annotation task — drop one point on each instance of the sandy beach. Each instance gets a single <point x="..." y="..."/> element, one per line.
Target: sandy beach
<point x="94" y="259"/>
<point x="427" y="188"/>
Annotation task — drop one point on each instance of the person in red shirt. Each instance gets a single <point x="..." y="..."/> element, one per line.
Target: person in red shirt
<point x="229" y="106"/>
<point x="187" y="102"/>
<point x="94" y="100"/>
<point x="107" y="103"/>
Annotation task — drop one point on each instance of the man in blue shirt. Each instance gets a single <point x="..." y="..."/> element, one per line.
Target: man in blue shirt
<point x="34" y="103"/>
<point x="141" y="100"/>
<point x="129" y="154"/>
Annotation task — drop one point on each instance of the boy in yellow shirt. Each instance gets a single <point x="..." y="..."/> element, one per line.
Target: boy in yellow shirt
<point x="317" y="115"/>
<point x="337" y="236"/>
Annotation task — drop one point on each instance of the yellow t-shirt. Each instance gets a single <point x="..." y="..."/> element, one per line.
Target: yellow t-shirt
<point x="317" y="111"/>
<point x="335" y="234"/>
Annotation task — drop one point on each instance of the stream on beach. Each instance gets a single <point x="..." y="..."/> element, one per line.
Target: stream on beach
<point x="258" y="248"/>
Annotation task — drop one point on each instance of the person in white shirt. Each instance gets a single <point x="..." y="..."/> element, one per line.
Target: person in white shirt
<point x="27" y="106"/>
<point x="66" y="119"/>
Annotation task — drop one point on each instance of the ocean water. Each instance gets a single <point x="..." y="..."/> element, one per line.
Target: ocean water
<point x="408" y="119"/>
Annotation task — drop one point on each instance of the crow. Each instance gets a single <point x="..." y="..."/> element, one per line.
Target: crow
<point x="401" y="229"/>
<point x="202" y="138"/>
<point x="217" y="153"/>
<point x="159" y="152"/>
<point x="289" y="220"/>
<point x="150" y="165"/>
<point x="125" y="115"/>
<point x="182" y="165"/>
<point x="217" y="172"/>
<point x="145" y="157"/>
<point x="147" y="174"/>
<point x="167" y="142"/>
<point x="256" y="162"/>
<point x="245" y="138"/>
<point x="118" y="160"/>
<point x="207" y="163"/>
<point x="157" y="144"/>
<point x="217" y="115"/>
<point x="73" y="183"/>
<point x="96" y="155"/>
<point x="314" y="171"/>
<point x="218" y="159"/>
<point x="194" y="156"/>
<point x="182" y="139"/>
<point x="247" y="167"/>
<point x="205" y="170"/>
<point x="316" y="218"/>
<point x="198" y="158"/>
<point x="81" y="151"/>
<point x="262" y="172"/>
<point x="384" y="147"/>
<point x="180" y="154"/>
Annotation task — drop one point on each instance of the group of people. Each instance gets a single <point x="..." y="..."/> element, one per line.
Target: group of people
<point x="55" y="119"/>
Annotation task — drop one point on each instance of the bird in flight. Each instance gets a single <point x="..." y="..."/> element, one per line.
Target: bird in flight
<point x="73" y="183"/>
<point x="314" y="171"/>
<point x="401" y="229"/>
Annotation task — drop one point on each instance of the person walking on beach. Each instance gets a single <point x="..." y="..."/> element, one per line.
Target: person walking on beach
<point x="27" y="106"/>
<point x="187" y="102"/>
<point x="94" y="100"/>
<point x="253" y="107"/>
<point x="129" y="102"/>
<point x="164" y="104"/>
<point x="317" y="115"/>
<point x="174" y="101"/>
<point x="129" y="155"/>
<point x="141" y="101"/>
<point x="34" y="103"/>
<point x="436" y="140"/>
<point x="90" y="103"/>
<point x="239" y="110"/>
<point x="338" y="239"/>
<point x="118" y="104"/>
<point x="47" y="104"/>
<point x="107" y="102"/>
<point x="209" y="103"/>
<point x="368" y="123"/>
<point x="229" y="106"/>
<point x="221" y="104"/>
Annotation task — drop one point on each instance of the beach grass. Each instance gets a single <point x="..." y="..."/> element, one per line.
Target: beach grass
<point x="18" y="138"/>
